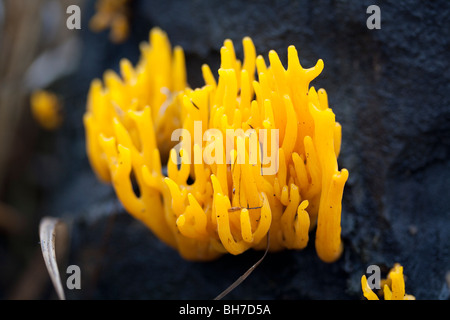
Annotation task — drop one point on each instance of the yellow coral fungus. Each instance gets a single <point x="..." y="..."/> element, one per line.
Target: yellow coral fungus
<point x="46" y="109"/>
<point x="254" y="155"/>
<point x="393" y="286"/>
<point x="113" y="14"/>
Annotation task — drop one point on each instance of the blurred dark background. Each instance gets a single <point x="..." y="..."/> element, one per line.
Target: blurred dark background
<point x="389" y="88"/>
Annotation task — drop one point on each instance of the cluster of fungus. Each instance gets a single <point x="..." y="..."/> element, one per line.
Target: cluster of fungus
<point x="214" y="199"/>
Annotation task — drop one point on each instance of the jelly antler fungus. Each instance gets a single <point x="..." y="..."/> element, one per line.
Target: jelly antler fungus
<point x="393" y="286"/>
<point x="224" y="202"/>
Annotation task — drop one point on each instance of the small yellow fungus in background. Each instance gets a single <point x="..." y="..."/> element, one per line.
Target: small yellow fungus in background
<point x="393" y="286"/>
<point x="46" y="109"/>
<point x="112" y="14"/>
